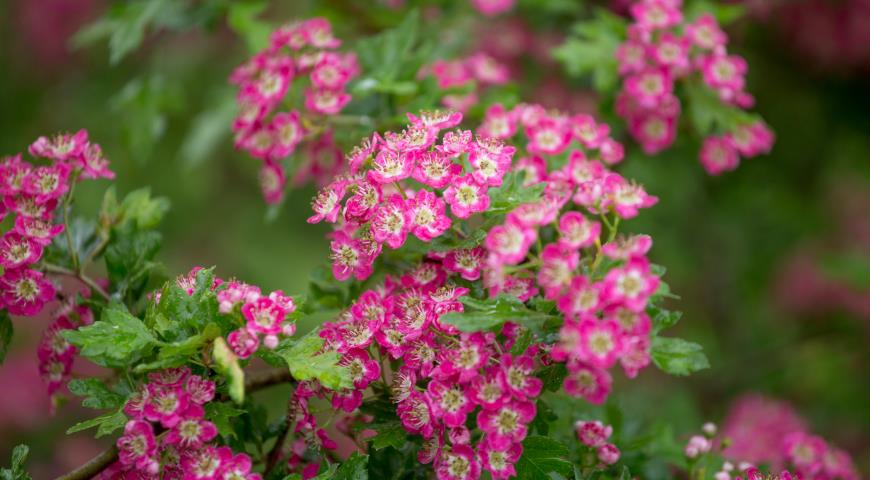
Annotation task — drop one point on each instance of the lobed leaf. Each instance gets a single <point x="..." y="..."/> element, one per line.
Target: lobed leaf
<point x="117" y="340"/>
<point x="677" y="356"/>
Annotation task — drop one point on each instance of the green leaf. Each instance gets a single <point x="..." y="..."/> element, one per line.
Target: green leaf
<point x="221" y="414"/>
<point x="677" y="356"/>
<point x="117" y="340"/>
<point x="592" y="49"/>
<point x="179" y="313"/>
<point x="389" y="434"/>
<point x="512" y="194"/>
<point x="16" y="469"/>
<point x="354" y="468"/>
<point x="851" y="268"/>
<point x="553" y="376"/>
<point x="391" y="59"/>
<point x="307" y="361"/>
<point x="542" y="457"/>
<point x="209" y="130"/>
<point x="5" y="334"/>
<point x="242" y="19"/>
<point x="663" y="319"/>
<point x="228" y="365"/>
<point x="524" y="339"/>
<point x="140" y="209"/>
<point x="487" y="314"/>
<point x="130" y="260"/>
<point x="106" y="424"/>
<point x="97" y="394"/>
<point x="707" y="112"/>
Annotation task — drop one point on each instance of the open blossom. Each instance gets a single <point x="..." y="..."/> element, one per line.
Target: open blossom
<point x="137" y="446"/>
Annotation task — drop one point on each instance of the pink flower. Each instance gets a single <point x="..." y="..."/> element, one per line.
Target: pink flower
<point x="608" y="454"/>
<point x="627" y="248"/>
<point x="205" y="463"/>
<point x="489" y="168"/>
<point x="650" y="87"/>
<point x="137" y="447"/>
<point x="416" y="414"/>
<point x="656" y="14"/>
<point x="263" y="316"/>
<point x="804" y="451"/>
<point x="94" y="164"/>
<point x="517" y="375"/>
<point x="165" y="404"/>
<point x="509" y="243"/>
<point x="705" y="33"/>
<point x="349" y="258"/>
<point x="236" y="468"/>
<point x="601" y="342"/>
<point x="654" y="131"/>
<point x="557" y="270"/>
<point x="631" y="56"/>
<point x="575" y="231"/>
<point x="427" y="215"/>
<point x="13" y="171"/>
<point x="593" y="433"/>
<point x="438" y="120"/>
<point x="457" y="463"/>
<point x="390" y="166"/>
<point x="286" y="132"/>
<point x="549" y="136"/>
<point x="47" y="183"/>
<point x="169" y="377"/>
<point x="18" y="251"/>
<point x="455" y="143"/>
<point x="581" y="298"/>
<point x="326" y="101"/>
<point x="243" y="342"/>
<point x="507" y="425"/>
<point x="449" y="403"/>
<point x="626" y="198"/>
<point x="588" y="382"/>
<point x="467" y="262"/>
<point x="361" y="205"/>
<point x="435" y="169"/>
<point x="60" y="147"/>
<point x="327" y="204"/>
<point x="192" y="431"/>
<point x="724" y="72"/>
<point x="718" y="155"/>
<point x="499" y="462"/>
<point x="391" y="222"/>
<point x="25" y="292"/>
<point x="464" y="360"/>
<point x="672" y="52"/>
<point x="498" y="122"/>
<point x="38" y="230"/>
<point x="466" y="197"/>
<point x="630" y="285"/>
<point x="363" y="369"/>
<point x="201" y="390"/>
<point x="753" y="139"/>
<point x="489" y="390"/>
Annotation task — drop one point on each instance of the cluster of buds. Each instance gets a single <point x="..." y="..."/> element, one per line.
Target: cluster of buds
<point x="269" y="126"/>
<point x="594" y="436"/>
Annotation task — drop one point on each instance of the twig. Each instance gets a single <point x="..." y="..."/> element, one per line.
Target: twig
<point x="275" y="453"/>
<point x="51" y="268"/>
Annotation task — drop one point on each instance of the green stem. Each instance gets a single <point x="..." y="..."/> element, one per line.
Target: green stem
<point x="67" y="204"/>
<point x="57" y="269"/>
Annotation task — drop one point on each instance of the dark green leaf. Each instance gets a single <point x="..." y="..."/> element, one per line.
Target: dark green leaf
<point x="96" y="392"/>
<point x="117" y="340"/>
<point x="129" y="260"/>
<point x="220" y="413"/>
<point x="179" y="314"/>
<point x="542" y="457"/>
<point x="677" y="356"/>
<point x="16" y="469"/>
<point x="553" y="376"/>
<point x="663" y="319"/>
<point x="389" y="434"/>
<point x="709" y="115"/>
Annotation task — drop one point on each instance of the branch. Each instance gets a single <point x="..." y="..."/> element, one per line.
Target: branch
<point x="253" y="382"/>
<point x="51" y="268"/>
<point x="94" y="465"/>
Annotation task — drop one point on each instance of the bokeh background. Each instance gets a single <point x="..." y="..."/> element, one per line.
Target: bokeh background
<point x="772" y="261"/>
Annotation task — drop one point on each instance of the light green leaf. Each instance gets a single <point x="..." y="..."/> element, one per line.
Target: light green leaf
<point x="228" y="365"/>
<point x="354" y="468"/>
<point x="242" y="19"/>
<point x="307" y="361"/>
<point x="677" y="356"/>
<point x="487" y="314"/>
<point x="592" y="49"/>
<point x="106" y="424"/>
<point x="16" y="469"/>
<point x="117" y="340"/>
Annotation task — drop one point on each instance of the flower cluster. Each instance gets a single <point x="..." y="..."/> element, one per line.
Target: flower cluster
<point x="383" y="207"/>
<point x="442" y="378"/>
<point x="602" y="287"/>
<point x="594" y="436"/>
<point x="765" y="431"/>
<point x="662" y="49"/>
<point x="55" y="353"/>
<point x="172" y="403"/>
<point x="470" y="74"/>
<point x="33" y="194"/>
<point x="263" y="128"/>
